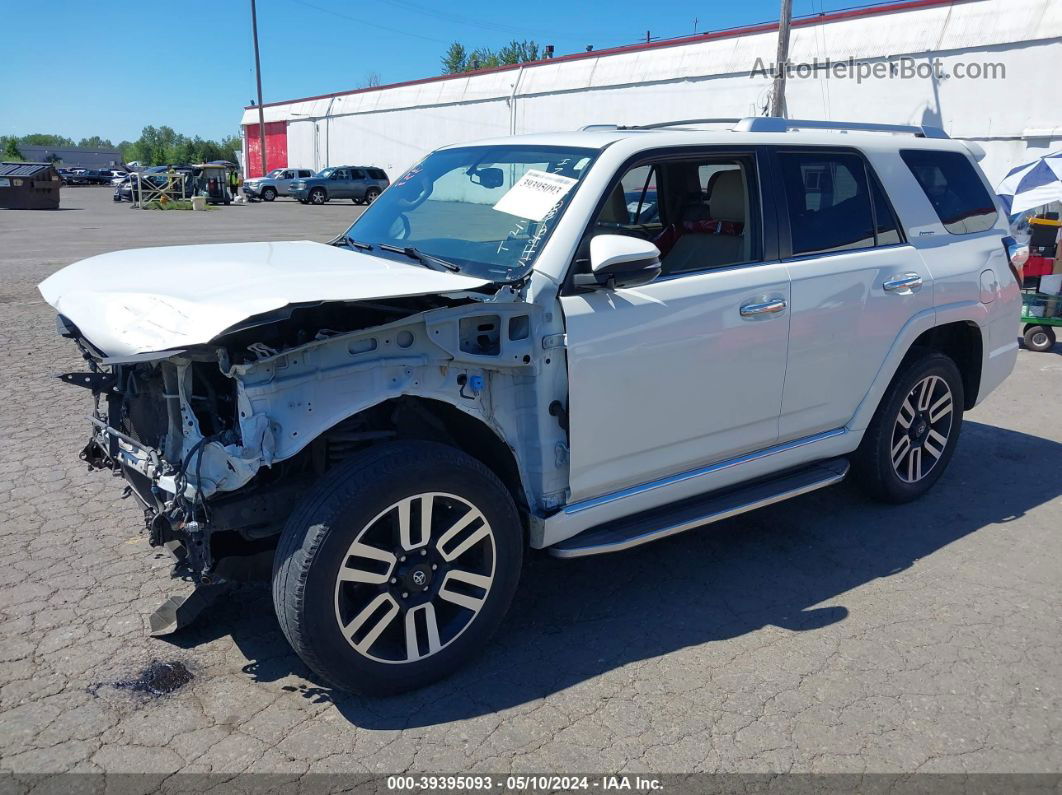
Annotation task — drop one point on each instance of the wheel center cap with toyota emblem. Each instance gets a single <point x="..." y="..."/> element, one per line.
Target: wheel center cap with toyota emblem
<point x="417" y="577"/>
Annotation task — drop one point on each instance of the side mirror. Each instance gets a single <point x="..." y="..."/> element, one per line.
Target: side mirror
<point x="620" y="261"/>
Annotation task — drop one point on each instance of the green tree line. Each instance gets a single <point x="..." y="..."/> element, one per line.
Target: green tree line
<point x="459" y="58"/>
<point x="156" y="146"/>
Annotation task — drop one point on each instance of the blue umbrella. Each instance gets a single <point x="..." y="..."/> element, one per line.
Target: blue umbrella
<point x="1033" y="184"/>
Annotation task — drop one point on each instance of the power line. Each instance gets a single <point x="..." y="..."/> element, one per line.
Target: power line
<point x="365" y="22"/>
<point x="459" y="19"/>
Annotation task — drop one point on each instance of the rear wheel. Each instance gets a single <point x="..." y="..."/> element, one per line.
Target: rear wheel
<point x="268" y="194"/>
<point x="371" y="194"/>
<point x="914" y="431"/>
<point x="318" y="196"/>
<point x="398" y="567"/>
<point x="1039" y="338"/>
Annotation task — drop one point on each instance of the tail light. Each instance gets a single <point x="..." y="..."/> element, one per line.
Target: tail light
<point x="1017" y="256"/>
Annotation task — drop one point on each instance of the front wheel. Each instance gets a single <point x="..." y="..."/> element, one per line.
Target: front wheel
<point x="268" y="194"/>
<point x="398" y="567"/>
<point x="913" y="434"/>
<point x="1039" y="338"/>
<point x="318" y="196"/>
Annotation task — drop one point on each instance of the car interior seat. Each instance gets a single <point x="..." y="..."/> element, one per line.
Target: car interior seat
<point x="718" y="236"/>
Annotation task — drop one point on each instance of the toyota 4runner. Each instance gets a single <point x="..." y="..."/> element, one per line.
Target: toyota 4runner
<point x="510" y="348"/>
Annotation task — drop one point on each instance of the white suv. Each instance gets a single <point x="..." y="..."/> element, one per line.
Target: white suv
<point x="577" y="342"/>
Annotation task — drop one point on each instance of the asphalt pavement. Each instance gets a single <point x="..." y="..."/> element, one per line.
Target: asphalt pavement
<point x="826" y="634"/>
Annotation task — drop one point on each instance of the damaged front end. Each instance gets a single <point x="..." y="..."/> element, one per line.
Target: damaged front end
<point x="218" y="441"/>
<point x="170" y="425"/>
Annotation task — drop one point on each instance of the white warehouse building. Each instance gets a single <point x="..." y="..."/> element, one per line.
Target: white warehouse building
<point x="988" y="71"/>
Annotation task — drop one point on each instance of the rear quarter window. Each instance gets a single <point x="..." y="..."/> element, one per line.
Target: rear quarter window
<point x="953" y="187"/>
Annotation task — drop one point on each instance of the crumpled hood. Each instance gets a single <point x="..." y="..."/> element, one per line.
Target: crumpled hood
<point x="154" y="299"/>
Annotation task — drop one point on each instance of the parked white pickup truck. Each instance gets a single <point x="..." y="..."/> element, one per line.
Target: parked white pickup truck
<point x="577" y="342"/>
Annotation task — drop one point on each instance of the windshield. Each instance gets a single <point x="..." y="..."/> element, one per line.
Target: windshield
<point x="486" y="209"/>
<point x="276" y="172"/>
<point x="325" y="173"/>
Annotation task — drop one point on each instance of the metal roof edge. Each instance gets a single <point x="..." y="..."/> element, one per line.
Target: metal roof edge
<point x="745" y="30"/>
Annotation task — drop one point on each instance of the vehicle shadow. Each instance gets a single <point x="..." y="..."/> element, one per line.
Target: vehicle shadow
<point x="577" y="619"/>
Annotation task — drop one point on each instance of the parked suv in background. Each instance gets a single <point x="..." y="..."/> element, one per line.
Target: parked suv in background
<point x="510" y="348"/>
<point x="276" y="183"/>
<point x="362" y="184"/>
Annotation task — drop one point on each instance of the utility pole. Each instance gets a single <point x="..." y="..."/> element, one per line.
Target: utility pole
<point x="778" y="91"/>
<point x="258" y="77"/>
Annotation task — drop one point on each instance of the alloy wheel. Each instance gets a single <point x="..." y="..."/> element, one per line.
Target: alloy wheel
<point x="415" y="578"/>
<point x="922" y="429"/>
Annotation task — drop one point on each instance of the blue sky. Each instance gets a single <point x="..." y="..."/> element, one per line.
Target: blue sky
<point x="108" y="68"/>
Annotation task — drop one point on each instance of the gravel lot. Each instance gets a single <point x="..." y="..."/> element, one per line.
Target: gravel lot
<point x="825" y="634"/>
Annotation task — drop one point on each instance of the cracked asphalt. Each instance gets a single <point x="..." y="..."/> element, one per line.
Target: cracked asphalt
<point x="827" y="634"/>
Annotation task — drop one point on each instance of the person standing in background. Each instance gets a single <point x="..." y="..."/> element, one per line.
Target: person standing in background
<point x="234" y="183"/>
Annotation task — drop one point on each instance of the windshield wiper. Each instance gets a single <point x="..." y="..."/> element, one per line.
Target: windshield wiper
<point x="346" y="240"/>
<point x="427" y="260"/>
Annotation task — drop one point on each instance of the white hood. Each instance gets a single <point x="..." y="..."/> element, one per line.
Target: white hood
<point x="155" y="299"/>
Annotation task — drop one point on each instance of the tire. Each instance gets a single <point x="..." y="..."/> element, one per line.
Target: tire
<point x="893" y="470"/>
<point x="268" y="194"/>
<point x="356" y="200"/>
<point x="370" y="195"/>
<point x="356" y="509"/>
<point x="1039" y="338"/>
<point x="318" y="196"/>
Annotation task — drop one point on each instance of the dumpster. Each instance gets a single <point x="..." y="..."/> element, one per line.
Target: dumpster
<point x="29" y="186"/>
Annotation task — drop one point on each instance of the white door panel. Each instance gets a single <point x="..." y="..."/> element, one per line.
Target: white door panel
<point x="843" y="323"/>
<point x="669" y="376"/>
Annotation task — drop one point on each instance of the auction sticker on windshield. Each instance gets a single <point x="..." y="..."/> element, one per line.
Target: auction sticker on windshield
<point x="535" y="194"/>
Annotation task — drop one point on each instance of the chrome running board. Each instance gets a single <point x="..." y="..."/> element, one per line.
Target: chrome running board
<point x="668" y="520"/>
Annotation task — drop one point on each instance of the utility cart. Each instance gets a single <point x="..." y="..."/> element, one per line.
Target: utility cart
<point x="1040" y="312"/>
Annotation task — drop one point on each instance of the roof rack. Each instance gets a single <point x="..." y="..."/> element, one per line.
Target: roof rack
<point x="682" y="122"/>
<point x="659" y="125"/>
<point x="775" y="124"/>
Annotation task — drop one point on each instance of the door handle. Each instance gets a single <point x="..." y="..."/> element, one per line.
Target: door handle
<point x="904" y="283"/>
<point x="772" y="307"/>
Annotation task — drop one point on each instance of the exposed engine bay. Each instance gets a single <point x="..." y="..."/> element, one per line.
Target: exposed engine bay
<point x="218" y="441"/>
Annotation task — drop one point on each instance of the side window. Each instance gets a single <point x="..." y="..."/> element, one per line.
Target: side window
<point x="639" y="195"/>
<point x="828" y="201"/>
<point x="376" y="173"/>
<point x="341" y="173"/>
<point x="304" y="173"/>
<point x="357" y="173"/>
<point x="286" y="175"/>
<point x="886" y="227"/>
<point x="953" y="188"/>
<point x="701" y="213"/>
